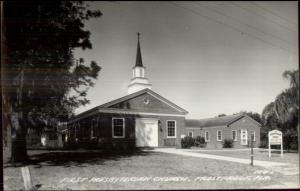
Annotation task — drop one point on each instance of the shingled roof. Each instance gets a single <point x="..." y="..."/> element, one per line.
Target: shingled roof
<point x="215" y="121"/>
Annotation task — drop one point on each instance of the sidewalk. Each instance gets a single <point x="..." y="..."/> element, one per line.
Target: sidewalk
<point x="216" y="157"/>
<point x="233" y="149"/>
<point x="283" y="168"/>
<point x="223" y="150"/>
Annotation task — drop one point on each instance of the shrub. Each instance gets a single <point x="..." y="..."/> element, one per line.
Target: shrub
<point x="263" y="143"/>
<point x="228" y="143"/>
<point x="187" y="142"/>
<point x="200" y="142"/>
<point x="290" y="142"/>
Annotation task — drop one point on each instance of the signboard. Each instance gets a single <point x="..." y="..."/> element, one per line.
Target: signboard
<point x="275" y="138"/>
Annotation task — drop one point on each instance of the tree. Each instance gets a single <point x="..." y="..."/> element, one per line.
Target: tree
<point x="40" y="68"/>
<point x="286" y="104"/>
<point x="269" y="118"/>
<point x="286" y="107"/>
<point x="284" y="110"/>
<point x="269" y="122"/>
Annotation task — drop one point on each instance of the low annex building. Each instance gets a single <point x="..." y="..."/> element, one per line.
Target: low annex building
<point x="238" y="128"/>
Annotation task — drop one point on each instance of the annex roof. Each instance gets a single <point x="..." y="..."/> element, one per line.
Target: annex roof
<point x="217" y="121"/>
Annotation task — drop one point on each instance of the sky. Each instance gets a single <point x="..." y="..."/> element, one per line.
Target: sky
<point x="209" y="58"/>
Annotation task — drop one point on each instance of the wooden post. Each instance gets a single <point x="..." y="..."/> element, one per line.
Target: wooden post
<point x="269" y="145"/>
<point x="281" y="146"/>
<point x="252" y="155"/>
<point x="26" y="178"/>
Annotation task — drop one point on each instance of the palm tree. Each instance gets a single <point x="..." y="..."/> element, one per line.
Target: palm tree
<point x="293" y="76"/>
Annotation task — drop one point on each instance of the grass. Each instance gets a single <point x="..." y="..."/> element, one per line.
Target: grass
<point x="259" y="154"/>
<point x="48" y="169"/>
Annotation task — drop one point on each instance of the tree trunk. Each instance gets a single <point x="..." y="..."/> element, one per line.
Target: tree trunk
<point x="18" y="138"/>
<point x="298" y="130"/>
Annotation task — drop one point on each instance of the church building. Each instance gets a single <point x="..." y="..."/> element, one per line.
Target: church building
<point x="142" y="118"/>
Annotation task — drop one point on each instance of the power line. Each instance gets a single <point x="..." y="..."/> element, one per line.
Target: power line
<point x="252" y="12"/>
<point x="230" y="26"/>
<point x="271" y="12"/>
<point x="277" y="37"/>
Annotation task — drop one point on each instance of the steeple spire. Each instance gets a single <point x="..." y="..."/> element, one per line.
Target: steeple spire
<point x="138" y="80"/>
<point x="138" y="61"/>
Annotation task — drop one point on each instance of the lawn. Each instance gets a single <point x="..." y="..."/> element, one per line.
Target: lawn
<point x="259" y="154"/>
<point x="62" y="170"/>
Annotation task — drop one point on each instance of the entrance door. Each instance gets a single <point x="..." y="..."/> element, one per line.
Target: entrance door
<point x="244" y="137"/>
<point x="146" y="132"/>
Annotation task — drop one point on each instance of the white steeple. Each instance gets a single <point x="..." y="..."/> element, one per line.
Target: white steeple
<point x="138" y="80"/>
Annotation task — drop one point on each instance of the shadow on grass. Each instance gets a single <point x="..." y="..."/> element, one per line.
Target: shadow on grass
<point x="79" y="158"/>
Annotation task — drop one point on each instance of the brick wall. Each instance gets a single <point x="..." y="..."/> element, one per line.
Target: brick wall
<point x="138" y="104"/>
<point x="244" y="123"/>
<point x="163" y="140"/>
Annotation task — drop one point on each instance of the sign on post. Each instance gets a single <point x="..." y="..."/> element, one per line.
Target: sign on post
<point x="275" y="138"/>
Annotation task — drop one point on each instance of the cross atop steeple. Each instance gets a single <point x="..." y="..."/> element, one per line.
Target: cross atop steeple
<point x="138" y="61"/>
<point x="138" y="34"/>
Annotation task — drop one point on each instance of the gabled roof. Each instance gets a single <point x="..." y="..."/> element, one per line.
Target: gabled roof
<point x="217" y="121"/>
<point x="127" y="97"/>
<point x="138" y="93"/>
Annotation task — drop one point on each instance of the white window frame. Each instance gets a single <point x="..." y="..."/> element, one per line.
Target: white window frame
<point x="252" y="132"/>
<point x="218" y="135"/>
<point x="175" y="129"/>
<point x="92" y="131"/>
<point x="112" y="124"/>
<point x="192" y="133"/>
<point x="96" y="120"/>
<point x="235" y="135"/>
<point x="77" y="126"/>
<point x="206" y="140"/>
<point x="246" y="136"/>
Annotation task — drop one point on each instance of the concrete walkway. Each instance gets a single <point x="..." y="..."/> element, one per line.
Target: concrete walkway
<point x="216" y="157"/>
<point x="222" y="150"/>
<point x="283" y="168"/>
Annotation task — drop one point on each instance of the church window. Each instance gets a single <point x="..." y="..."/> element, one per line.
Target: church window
<point x="171" y="129"/>
<point x="118" y="127"/>
<point x="206" y="136"/>
<point x="234" y="135"/>
<point x="219" y="135"/>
